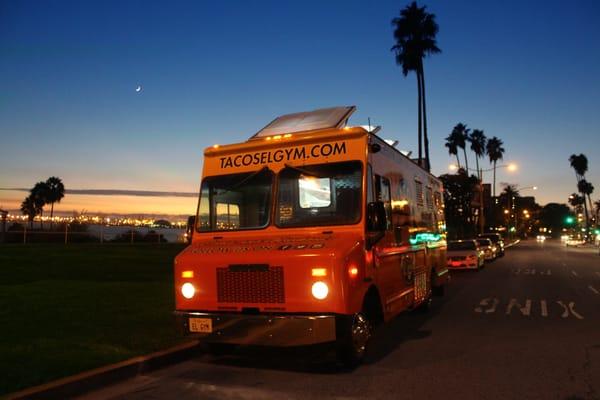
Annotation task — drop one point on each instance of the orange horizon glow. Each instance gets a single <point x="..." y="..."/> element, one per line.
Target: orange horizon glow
<point x="107" y="204"/>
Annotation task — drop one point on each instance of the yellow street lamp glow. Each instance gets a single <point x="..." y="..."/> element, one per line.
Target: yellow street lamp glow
<point x="512" y="167"/>
<point x="452" y="167"/>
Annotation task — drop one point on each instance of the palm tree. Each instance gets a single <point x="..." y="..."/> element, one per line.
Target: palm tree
<point x="586" y="189"/>
<point x="414" y="32"/>
<point x="478" y="142"/>
<point x="576" y="200"/>
<point x="460" y="134"/>
<point x="495" y="152"/>
<point x="56" y="191"/>
<point x="39" y="194"/>
<point x="580" y="164"/>
<point x="452" y="146"/>
<point x="30" y="208"/>
<point x="597" y="207"/>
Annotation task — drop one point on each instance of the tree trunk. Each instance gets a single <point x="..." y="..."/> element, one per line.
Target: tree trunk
<point x="419" y="98"/>
<point x="494" y="188"/>
<point x="466" y="161"/>
<point x="587" y="219"/>
<point x="478" y="170"/>
<point x="457" y="160"/>
<point x="425" y="136"/>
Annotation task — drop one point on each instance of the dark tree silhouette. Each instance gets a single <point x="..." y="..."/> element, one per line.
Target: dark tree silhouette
<point x="459" y="135"/>
<point x="495" y="152"/>
<point x="414" y="32"/>
<point x="458" y="195"/>
<point x="452" y="146"/>
<point x="580" y="164"/>
<point x="30" y="209"/>
<point x="56" y="191"/>
<point x="478" y="142"/>
<point x="39" y="194"/>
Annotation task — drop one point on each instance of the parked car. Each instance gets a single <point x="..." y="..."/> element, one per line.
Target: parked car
<point x="574" y="241"/>
<point x="496" y="239"/>
<point x="464" y="254"/>
<point x="489" y="250"/>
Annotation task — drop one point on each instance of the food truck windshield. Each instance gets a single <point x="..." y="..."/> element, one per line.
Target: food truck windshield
<point x="314" y="195"/>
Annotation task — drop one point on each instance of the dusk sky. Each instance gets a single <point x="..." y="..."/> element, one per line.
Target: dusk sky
<point x="217" y="72"/>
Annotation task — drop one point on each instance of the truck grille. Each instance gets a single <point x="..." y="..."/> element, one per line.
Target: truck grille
<point x="250" y="284"/>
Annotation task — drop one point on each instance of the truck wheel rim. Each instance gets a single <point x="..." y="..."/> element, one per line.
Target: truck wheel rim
<point x="361" y="332"/>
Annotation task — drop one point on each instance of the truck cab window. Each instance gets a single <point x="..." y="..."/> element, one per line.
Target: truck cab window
<point x="237" y="201"/>
<point x="323" y="194"/>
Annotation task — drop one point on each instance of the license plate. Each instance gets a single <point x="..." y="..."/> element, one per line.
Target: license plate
<point x="200" y="325"/>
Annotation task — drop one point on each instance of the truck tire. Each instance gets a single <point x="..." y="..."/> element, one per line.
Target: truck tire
<point x="354" y="338"/>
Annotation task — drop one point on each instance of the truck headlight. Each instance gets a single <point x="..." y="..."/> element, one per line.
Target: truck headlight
<point x="188" y="290"/>
<point x="320" y="290"/>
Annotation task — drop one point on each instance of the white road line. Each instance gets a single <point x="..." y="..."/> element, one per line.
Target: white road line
<point x="526" y="311"/>
<point x="574" y="273"/>
<point x="544" y="308"/>
<point x="570" y="307"/>
<point x="593" y="289"/>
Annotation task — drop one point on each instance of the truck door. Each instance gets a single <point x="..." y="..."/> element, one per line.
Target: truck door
<point x="389" y="259"/>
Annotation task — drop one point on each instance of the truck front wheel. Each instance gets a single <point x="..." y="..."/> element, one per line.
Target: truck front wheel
<point x="354" y="338"/>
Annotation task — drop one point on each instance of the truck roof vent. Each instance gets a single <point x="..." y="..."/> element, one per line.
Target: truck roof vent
<point x="324" y="118"/>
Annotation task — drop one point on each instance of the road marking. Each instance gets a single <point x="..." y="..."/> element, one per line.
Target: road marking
<point x="574" y="273"/>
<point x="544" y="308"/>
<point x="593" y="289"/>
<point x="524" y="310"/>
<point x="530" y="271"/>
<point x="486" y="302"/>
<point x="571" y="308"/>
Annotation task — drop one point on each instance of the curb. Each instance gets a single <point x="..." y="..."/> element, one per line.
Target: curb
<point x="87" y="381"/>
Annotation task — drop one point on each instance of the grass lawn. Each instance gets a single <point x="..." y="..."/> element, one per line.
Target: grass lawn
<point x="66" y="309"/>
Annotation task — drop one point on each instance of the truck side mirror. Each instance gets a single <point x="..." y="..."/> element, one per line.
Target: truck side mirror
<point x="376" y="223"/>
<point x="376" y="217"/>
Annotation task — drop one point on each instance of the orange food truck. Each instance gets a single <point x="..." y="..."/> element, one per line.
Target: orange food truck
<point x="310" y="232"/>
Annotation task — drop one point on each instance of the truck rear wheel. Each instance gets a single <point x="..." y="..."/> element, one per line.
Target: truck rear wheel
<point x="352" y="345"/>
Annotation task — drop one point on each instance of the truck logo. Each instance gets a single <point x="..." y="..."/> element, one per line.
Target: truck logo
<point x="284" y="155"/>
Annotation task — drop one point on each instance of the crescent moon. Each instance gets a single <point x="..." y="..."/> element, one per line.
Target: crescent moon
<point x="138" y="89"/>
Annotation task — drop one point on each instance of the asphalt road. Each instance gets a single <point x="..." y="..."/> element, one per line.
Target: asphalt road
<point x="525" y="327"/>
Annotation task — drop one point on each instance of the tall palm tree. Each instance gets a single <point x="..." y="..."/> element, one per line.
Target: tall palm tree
<point x="414" y="32"/>
<point x="580" y="164"/>
<point x="30" y="208"/>
<point x="597" y="208"/>
<point x="495" y="152"/>
<point x="39" y="194"/>
<point x="56" y="191"/>
<point x="460" y="133"/>
<point x="478" y="142"/>
<point x="586" y="189"/>
<point x="576" y="200"/>
<point x="452" y="146"/>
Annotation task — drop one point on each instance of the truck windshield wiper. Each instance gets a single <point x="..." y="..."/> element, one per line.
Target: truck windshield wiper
<point x="240" y="183"/>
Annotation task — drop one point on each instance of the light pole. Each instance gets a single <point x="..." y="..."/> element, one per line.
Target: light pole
<point x="510" y="167"/>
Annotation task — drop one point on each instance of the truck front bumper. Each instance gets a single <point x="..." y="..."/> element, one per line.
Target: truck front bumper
<point x="264" y="330"/>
